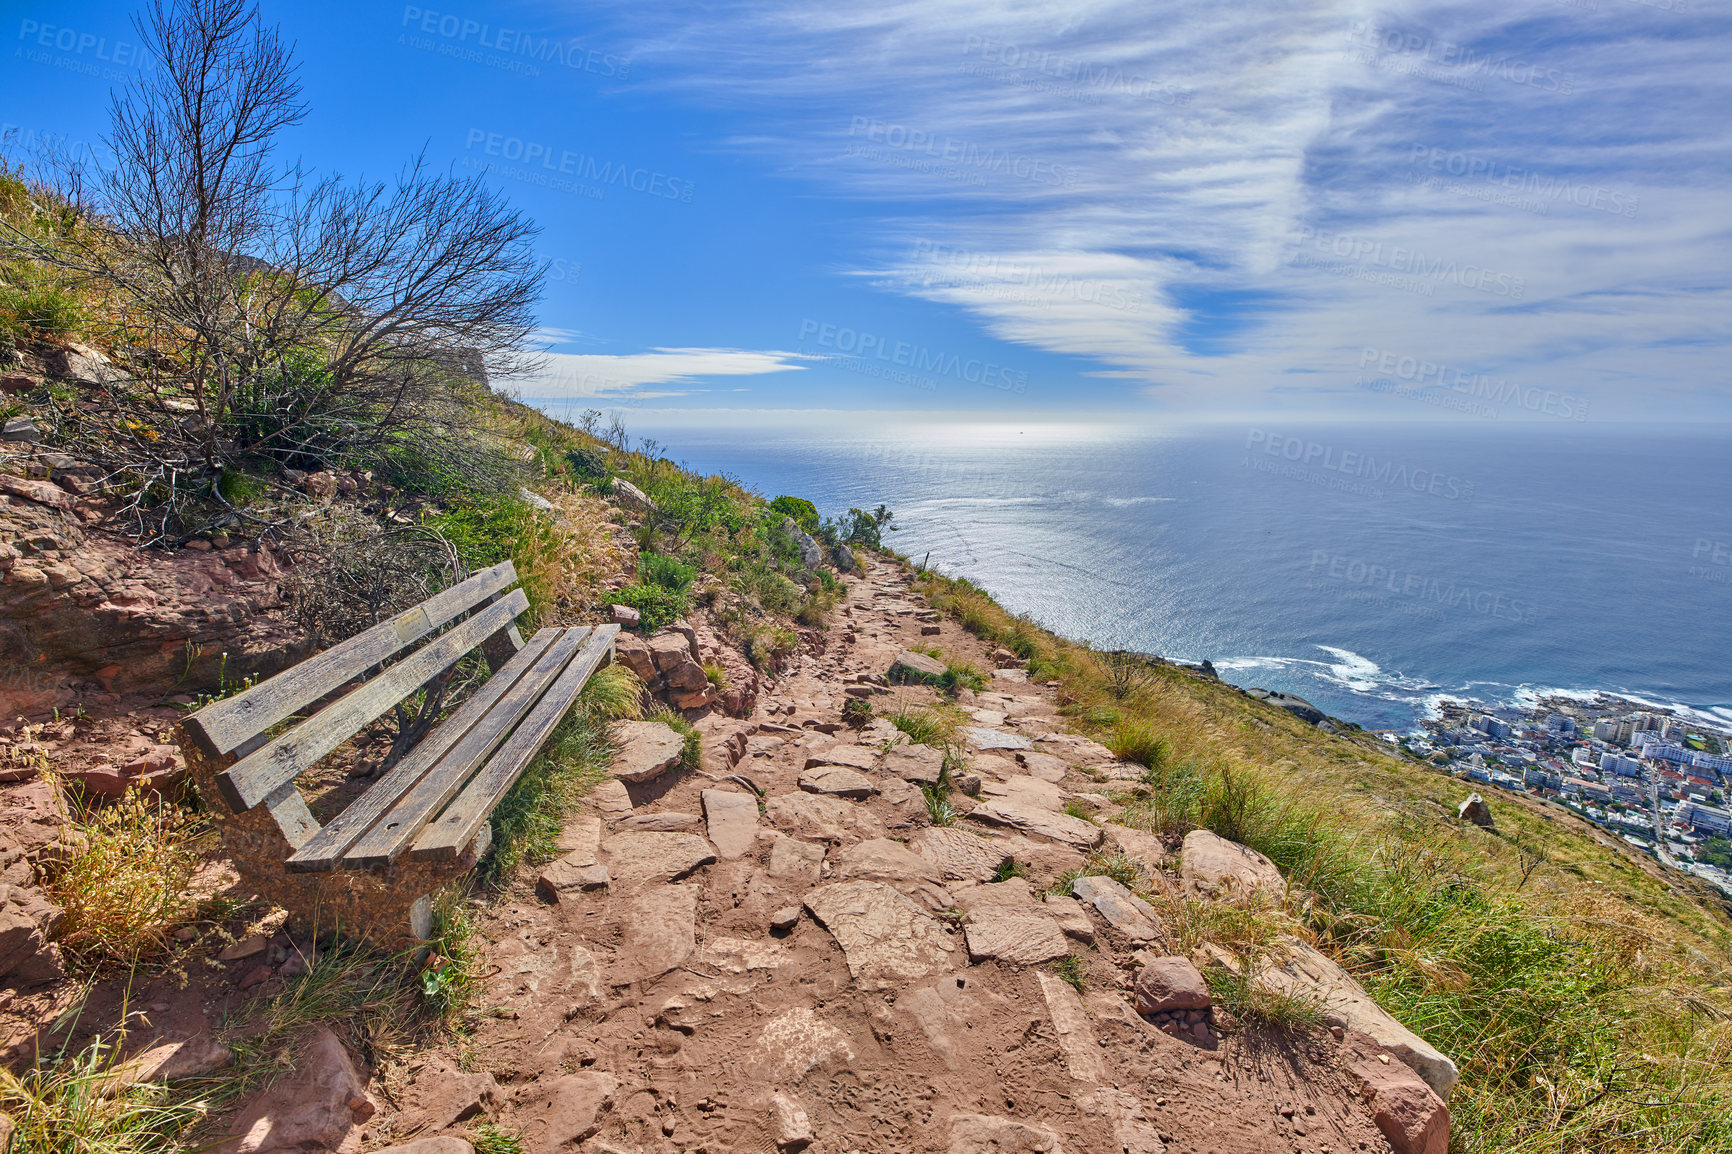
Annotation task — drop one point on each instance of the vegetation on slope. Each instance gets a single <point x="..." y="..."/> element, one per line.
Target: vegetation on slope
<point x="1584" y="993"/>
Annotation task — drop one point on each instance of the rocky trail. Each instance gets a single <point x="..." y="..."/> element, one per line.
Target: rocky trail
<point x="781" y="951"/>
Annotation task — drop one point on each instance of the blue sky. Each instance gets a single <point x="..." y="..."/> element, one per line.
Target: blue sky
<point x="1409" y="212"/>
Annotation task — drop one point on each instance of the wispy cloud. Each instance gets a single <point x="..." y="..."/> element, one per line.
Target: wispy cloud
<point x="634" y="376"/>
<point x="1206" y="199"/>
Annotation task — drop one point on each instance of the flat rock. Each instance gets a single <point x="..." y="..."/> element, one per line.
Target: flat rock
<point x="576" y="872"/>
<point x="582" y="834"/>
<point x="886" y="938"/>
<point x="990" y="1134"/>
<point x="883" y="860"/>
<point x="663" y="821"/>
<point x="610" y="800"/>
<point x="880" y="730"/>
<point x="1299" y="970"/>
<point x="660" y="930"/>
<point x="1072" y="919"/>
<point x="559" y="1112"/>
<point x="742" y="955"/>
<point x="1076" y="747"/>
<point x="1211" y="866"/>
<point x="853" y="756"/>
<point x="1023" y="787"/>
<point x="320" y="1104"/>
<point x="979" y="737"/>
<point x="1149" y="851"/>
<point x="438" y="1144"/>
<point x="190" y="1058"/>
<point x="794" y="860"/>
<point x="1171" y="983"/>
<point x="1042" y="765"/>
<point x="647" y="749"/>
<point x="1024" y="935"/>
<point x="1029" y="818"/>
<point x="916" y="666"/>
<point x="733" y="822"/>
<point x="830" y="818"/>
<point x="441" y="1095"/>
<point x="1076" y="1038"/>
<point x="959" y="854"/>
<point x="645" y="858"/>
<point x="1123" y="910"/>
<point x="794" y="1042"/>
<point x="837" y="781"/>
<point x="920" y="764"/>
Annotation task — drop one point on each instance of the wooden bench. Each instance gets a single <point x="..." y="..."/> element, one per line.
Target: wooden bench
<point x="373" y="867"/>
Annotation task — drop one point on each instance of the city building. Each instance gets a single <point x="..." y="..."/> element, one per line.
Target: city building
<point x="1707" y="819"/>
<point x="1622" y="766"/>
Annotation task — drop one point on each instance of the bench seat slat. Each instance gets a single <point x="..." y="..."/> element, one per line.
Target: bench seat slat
<point x="446" y="837"/>
<point x="393" y="832"/>
<point x="253" y="778"/>
<point x="322" y="851"/>
<point x="226" y="724"/>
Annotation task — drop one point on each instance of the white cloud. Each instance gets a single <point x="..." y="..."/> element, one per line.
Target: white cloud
<point x="567" y="376"/>
<point x="1192" y="154"/>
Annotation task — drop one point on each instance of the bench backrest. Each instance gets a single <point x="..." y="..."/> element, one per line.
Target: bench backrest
<point x="238" y="726"/>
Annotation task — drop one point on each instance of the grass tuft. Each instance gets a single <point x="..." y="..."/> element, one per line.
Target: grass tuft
<point x="124" y="881"/>
<point x="1074" y="969"/>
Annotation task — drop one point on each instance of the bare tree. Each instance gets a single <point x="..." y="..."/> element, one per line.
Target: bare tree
<point x="267" y="315"/>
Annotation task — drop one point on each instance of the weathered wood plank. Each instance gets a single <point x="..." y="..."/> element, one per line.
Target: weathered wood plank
<point x="250" y="780"/>
<point x="393" y="832"/>
<point x="224" y="725"/>
<point x="446" y="837"/>
<point x="322" y="851"/>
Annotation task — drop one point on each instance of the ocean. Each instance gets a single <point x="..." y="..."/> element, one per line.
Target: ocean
<point x="1373" y="570"/>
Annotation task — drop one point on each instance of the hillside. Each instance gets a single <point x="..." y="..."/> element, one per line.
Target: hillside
<point x="837" y="855"/>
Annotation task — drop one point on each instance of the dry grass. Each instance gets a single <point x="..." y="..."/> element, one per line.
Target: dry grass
<point x="125" y="877"/>
<point x="1589" y="1008"/>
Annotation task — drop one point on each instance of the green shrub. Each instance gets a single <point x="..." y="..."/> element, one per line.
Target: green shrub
<point x="35" y="308"/>
<point x="805" y="513"/>
<point x="657" y="607"/>
<point x="484" y="532"/>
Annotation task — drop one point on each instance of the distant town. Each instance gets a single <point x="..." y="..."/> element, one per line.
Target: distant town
<point x="1657" y="780"/>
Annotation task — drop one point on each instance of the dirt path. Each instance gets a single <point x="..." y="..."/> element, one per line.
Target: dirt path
<point x="667" y="1012"/>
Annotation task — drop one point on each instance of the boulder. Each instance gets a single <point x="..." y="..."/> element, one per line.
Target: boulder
<point x="534" y="500"/>
<point x="82" y="363"/>
<point x="21" y="429"/>
<point x="647" y="749"/>
<point x="573" y="873"/>
<point x="1292" y="703"/>
<point x="626" y="617"/>
<point x="837" y="781"/>
<point x="319" y="1105"/>
<point x="1171" y="983"/>
<point x="632" y="497"/>
<point x="911" y="666"/>
<point x="1412" y="1117"/>
<point x="670" y="650"/>
<point x="633" y="652"/>
<point x="844" y="558"/>
<point x="1299" y="970"/>
<point x="1211" y="866"/>
<point x="1475" y="809"/>
<point x="990" y="1134"/>
<point x="811" y="553"/>
<point x="886" y="938"/>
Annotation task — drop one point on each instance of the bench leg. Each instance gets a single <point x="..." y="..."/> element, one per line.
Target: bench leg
<point x="391" y="907"/>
